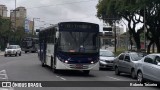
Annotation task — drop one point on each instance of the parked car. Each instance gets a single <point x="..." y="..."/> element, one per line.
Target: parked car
<point x="13" y="50"/>
<point x="106" y="59"/>
<point x="126" y="63"/>
<point x="148" y="68"/>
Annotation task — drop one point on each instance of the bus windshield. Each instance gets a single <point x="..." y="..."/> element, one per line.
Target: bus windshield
<point x="27" y="43"/>
<point x="86" y="42"/>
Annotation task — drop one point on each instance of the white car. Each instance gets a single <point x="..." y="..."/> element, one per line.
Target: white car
<point x="13" y="50"/>
<point x="106" y="59"/>
<point x="148" y="69"/>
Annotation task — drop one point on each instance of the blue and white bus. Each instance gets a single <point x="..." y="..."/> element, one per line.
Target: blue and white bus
<point x="70" y="46"/>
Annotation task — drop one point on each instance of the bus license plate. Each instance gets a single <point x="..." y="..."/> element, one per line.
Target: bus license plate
<point x="79" y="66"/>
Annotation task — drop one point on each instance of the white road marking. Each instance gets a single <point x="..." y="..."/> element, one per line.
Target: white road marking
<point x="3" y="73"/>
<point x="57" y="76"/>
<point x="113" y="78"/>
<point x="60" y="77"/>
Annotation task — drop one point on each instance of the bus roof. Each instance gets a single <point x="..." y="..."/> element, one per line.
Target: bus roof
<point x="96" y="26"/>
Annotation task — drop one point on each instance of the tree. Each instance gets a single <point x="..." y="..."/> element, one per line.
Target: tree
<point x="4" y="31"/>
<point x="135" y="11"/>
<point x="123" y="9"/>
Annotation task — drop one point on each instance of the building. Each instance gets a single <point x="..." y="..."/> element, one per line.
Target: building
<point x="17" y="17"/>
<point x="108" y="35"/>
<point x="3" y="11"/>
<point x="28" y="26"/>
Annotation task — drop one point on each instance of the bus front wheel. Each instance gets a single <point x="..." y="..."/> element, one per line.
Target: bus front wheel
<point x="86" y="72"/>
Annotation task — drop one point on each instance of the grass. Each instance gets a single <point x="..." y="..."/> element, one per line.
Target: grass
<point x="119" y="50"/>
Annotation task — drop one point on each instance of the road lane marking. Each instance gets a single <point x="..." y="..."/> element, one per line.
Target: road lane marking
<point x="57" y="76"/>
<point x="113" y="78"/>
<point x="3" y="73"/>
<point x="60" y="77"/>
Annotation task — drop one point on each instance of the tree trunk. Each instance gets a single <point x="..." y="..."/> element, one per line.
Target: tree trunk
<point x="137" y="40"/>
<point x="149" y="47"/>
<point x="158" y="46"/>
<point x="153" y="45"/>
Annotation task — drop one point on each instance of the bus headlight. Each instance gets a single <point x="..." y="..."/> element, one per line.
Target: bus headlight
<point x="66" y="61"/>
<point x="92" y="62"/>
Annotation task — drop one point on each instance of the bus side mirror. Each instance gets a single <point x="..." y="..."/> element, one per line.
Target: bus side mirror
<point x="37" y="30"/>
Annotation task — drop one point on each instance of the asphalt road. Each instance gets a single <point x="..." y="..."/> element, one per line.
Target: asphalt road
<point x="28" y="68"/>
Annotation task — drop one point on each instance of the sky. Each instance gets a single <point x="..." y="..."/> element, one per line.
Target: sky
<point x="54" y="11"/>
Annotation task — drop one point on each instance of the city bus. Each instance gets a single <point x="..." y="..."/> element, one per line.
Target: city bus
<point x="29" y="44"/>
<point x="70" y="46"/>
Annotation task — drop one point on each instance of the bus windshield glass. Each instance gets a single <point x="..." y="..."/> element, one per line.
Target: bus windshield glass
<point x="85" y="42"/>
<point x="27" y="43"/>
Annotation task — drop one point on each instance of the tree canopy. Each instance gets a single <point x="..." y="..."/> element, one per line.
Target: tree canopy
<point x="134" y="12"/>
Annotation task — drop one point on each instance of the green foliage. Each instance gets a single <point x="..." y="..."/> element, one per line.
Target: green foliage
<point x="128" y="10"/>
<point x="9" y="36"/>
<point x="119" y="51"/>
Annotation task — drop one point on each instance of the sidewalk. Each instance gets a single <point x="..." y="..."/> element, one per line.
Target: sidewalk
<point x="1" y="53"/>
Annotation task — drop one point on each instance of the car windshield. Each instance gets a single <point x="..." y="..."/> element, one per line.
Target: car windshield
<point x="136" y="56"/>
<point x="106" y="54"/>
<point x="11" y="47"/>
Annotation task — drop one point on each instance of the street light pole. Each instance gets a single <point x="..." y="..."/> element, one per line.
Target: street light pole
<point x="2" y="12"/>
<point x="144" y="30"/>
<point x="15" y="14"/>
<point x="115" y="38"/>
<point x="15" y="22"/>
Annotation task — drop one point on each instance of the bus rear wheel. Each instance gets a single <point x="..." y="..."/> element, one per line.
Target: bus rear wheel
<point x="55" y="70"/>
<point x="86" y="72"/>
<point x="43" y="64"/>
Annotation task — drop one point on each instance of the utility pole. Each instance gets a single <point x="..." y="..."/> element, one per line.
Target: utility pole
<point x="115" y="38"/>
<point x="144" y="30"/>
<point x="15" y="22"/>
<point x="15" y="14"/>
<point x="2" y="12"/>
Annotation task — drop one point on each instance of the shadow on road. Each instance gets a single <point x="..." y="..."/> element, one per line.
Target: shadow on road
<point x="75" y="73"/>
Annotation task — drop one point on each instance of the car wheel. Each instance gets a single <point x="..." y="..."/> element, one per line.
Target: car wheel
<point x="117" y="71"/>
<point x="16" y="54"/>
<point x="20" y="54"/>
<point x="5" y="55"/>
<point x="140" y="78"/>
<point x="133" y="75"/>
<point x="25" y="51"/>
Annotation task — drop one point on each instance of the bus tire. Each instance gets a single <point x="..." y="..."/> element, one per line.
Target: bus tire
<point x="86" y="72"/>
<point x="20" y="54"/>
<point x="32" y="51"/>
<point x="5" y="55"/>
<point x="55" y="70"/>
<point x="43" y="64"/>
